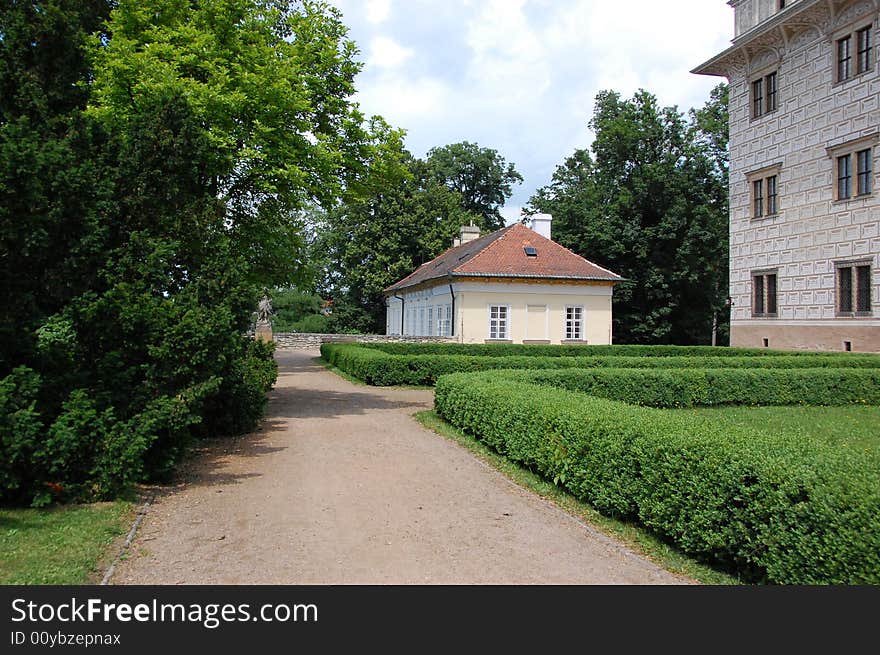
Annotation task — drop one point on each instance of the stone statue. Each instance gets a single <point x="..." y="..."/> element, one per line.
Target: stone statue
<point x="264" y="310"/>
<point x="263" y="329"/>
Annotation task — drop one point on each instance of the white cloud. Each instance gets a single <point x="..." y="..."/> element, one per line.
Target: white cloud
<point x="407" y="103"/>
<point x="521" y="76"/>
<point x="511" y="214"/>
<point x="509" y="61"/>
<point x="377" y="10"/>
<point x="387" y="53"/>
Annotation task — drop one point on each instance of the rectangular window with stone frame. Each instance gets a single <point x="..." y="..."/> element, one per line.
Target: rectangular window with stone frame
<point x="764" y="294"/>
<point x="854" y="167"/>
<point x="854" y="288"/>
<point x="854" y="53"/>
<point x="764" y="185"/>
<point x="765" y="94"/>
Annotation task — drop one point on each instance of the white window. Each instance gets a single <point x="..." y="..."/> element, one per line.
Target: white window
<point x="499" y="321"/>
<point x="444" y="320"/>
<point x="574" y="323"/>
<point x="430" y="321"/>
<point x="421" y="331"/>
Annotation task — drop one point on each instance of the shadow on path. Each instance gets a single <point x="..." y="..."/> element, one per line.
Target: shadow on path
<point x="316" y="403"/>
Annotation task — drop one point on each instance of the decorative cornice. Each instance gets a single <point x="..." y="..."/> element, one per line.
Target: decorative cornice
<point x="781" y="33"/>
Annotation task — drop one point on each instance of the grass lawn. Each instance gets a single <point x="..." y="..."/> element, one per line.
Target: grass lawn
<point x="635" y="537"/>
<point x="847" y="427"/>
<point x="61" y="545"/>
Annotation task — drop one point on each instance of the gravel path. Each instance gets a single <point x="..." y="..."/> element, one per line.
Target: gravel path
<point x="341" y="485"/>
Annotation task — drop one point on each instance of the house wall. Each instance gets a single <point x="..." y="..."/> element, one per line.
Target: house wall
<point x="537" y="310"/>
<point x="546" y="320"/>
<point x="811" y="231"/>
<point x="423" y="312"/>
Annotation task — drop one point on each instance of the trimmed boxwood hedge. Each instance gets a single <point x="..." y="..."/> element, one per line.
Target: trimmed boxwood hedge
<point x="379" y="368"/>
<point x="772" y="508"/>
<point x="508" y="349"/>
<point x="713" y="387"/>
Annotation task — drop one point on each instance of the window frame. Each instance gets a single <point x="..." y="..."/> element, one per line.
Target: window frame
<point x="866" y="63"/>
<point x="864" y="172"/>
<point x="574" y="326"/>
<point x="853" y="267"/>
<point x="844" y="176"/>
<point x="772" y="194"/>
<point x="767" y="84"/>
<point x="758" y="198"/>
<point x="844" y="59"/>
<point x="859" y="156"/>
<point x="499" y="320"/>
<point x="861" y="59"/>
<point x="761" y="182"/>
<point x="765" y="297"/>
<point x="447" y="321"/>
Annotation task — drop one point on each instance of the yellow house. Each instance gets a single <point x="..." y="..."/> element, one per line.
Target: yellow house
<point x="515" y="285"/>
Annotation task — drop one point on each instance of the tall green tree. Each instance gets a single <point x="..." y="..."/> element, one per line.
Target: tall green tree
<point x="710" y="125"/>
<point x="368" y="245"/>
<point x="648" y="200"/>
<point x="150" y="188"/>
<point x="272" y="83"/>
<point x="482" y="177"/>
<point x="53" y="191"/>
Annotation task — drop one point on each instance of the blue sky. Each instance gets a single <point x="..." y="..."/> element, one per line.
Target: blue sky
<point x="521" y="76"/>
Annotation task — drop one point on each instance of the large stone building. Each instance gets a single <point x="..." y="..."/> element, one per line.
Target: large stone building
<point x="515" y="285"/>
<point x="804" y="203"/>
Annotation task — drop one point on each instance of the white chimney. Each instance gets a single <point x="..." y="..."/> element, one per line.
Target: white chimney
<point x="469" y="233"/>
<point x="541" y="224"/>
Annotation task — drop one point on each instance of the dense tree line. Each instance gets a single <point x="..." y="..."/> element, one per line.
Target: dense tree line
<point x="155" y="159"/>
<point x="648" y="200"/>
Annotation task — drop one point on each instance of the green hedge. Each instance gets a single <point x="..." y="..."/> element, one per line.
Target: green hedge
<point x="379" y="368"/>
<point x="713" y="387"/>
<point x="771" y="508"/>
<point x="507" y="350"/>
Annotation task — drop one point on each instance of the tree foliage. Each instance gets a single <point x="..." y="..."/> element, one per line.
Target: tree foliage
<point x="649" y="201"/>
<point x="152" y="174"/>
<point x="482" y="177"/>
<point x="366" y="246"/>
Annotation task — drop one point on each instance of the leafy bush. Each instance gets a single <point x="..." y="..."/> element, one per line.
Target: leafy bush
<point x="242" y="396"/>
<point x="711" y="387"/>
<point x="773" y="508"/>
<point x="293" y="307"/>
<point x="377" y="367"/>
<point x="21" y="428"/>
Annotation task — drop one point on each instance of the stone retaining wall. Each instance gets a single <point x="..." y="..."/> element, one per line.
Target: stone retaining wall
<point x="303" y="340"/>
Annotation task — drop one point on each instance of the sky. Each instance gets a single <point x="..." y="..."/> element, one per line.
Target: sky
<point x="521" y="76"/>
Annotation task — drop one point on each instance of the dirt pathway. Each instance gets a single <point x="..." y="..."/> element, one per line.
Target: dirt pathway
<point x="341" y="485"/>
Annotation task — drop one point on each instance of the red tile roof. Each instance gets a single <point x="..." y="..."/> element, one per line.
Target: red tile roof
<point x="502" y="254"/>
